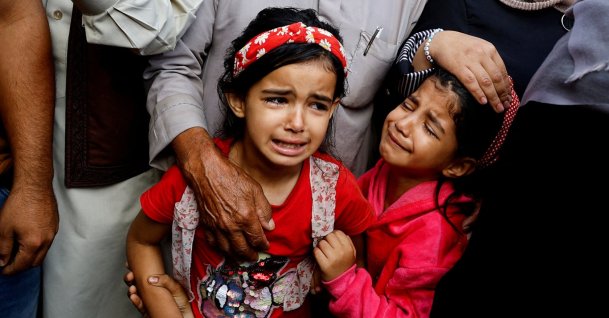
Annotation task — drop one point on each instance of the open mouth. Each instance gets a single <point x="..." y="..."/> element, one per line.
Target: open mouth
<point x="289" y="148"/>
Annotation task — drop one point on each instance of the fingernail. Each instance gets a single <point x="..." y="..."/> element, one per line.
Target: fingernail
<point x="483" y="100"/>
<point x="499" y="107"/>
<point x="272" y="224"/>
<point x="507" y="104"/>
<point x="2" y="263"/>
<point x="153" y="279"/>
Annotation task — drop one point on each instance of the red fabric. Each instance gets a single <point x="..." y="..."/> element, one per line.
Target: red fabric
<point x="490" y="155"/>
<point x="292" y="235"/>
<point x="410" y="247"/>
<point x="294" y="33"/>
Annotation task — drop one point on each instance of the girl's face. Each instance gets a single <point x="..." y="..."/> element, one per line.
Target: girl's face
<point x="419" y="135"/>
<point x="287" y="113"/>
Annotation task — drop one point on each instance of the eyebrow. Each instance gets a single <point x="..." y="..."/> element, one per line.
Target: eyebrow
<point x="284" y="92"/>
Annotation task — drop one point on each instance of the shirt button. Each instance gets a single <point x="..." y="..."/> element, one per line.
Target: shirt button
<point x="57" y="15"/>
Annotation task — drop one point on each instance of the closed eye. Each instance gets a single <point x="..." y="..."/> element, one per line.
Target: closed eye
<point x="430" y="131"/>
<point x="407" y="106"/>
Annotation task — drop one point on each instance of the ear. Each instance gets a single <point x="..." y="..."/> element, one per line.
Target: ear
<point x="236" y="104"/>
<point x="460" y="167"/>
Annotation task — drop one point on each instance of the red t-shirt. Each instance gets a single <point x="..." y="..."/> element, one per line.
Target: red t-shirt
<point x="290" y="239"/>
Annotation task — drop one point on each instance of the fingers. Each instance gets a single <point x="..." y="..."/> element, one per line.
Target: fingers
<point x="265" y="218"/>
<point x="477" y="65"/>
<point x="176" y="290"/>
<point x="315" y="282"/>
<point x="6" y="248"/>
<point x="136" y="300"/>
<point x="168" y="283"/>
<point x="493" y="80"/>
<point x="129" y="278"/>
<point x="254" y="231"/>
<point x="24" y="259"/>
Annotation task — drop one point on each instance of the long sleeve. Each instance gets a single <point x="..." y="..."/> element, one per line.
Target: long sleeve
<point x="408" y="80"/>
<point x="175" y="96"/>
<point x="148" y="26"/>
<point x="406" y="284"/>
<point x="355" y="297"/>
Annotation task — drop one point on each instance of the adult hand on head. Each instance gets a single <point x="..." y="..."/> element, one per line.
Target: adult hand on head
<point x="28" y="224"/>
<point x="233" y="207"/>
<point x="476" y="63"/>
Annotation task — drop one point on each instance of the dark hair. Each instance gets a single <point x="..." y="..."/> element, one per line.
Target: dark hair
<point x="475" y="127"/>
<point x="286" y="54"/>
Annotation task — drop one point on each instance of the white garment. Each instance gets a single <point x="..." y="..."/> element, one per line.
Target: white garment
<point x="83" y="270"/>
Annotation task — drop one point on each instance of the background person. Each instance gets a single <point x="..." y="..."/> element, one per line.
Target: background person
<point x="100" y="145"/>
<point x="28" y="210"/>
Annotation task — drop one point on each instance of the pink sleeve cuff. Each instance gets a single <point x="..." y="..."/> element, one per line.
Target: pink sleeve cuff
<point x="339" y="285"/>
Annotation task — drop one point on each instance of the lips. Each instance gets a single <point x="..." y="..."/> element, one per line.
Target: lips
<point x="289" y="147"/>
<point x="396" y="141"/>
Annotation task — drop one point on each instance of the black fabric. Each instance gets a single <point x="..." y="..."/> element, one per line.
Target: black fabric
<point x="537" y="243"/>
<point x="523" y="38"/>
<point x="539" y="238"/>
<point x="106" y="116"/>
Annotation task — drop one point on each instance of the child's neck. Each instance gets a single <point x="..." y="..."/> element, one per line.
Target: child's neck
<point x="277" y="182"/>
<point x="399" y="183"/>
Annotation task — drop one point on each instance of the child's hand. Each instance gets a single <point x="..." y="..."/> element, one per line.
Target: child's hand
<point x="316" y="282"/>
<point x="335" y="254"/>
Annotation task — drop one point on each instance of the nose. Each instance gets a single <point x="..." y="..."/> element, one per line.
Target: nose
<point x="295" y="119"/>
<point x="405" y="124"/>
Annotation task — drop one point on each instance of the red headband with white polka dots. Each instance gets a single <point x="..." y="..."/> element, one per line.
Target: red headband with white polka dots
<point x="294" y="33"/>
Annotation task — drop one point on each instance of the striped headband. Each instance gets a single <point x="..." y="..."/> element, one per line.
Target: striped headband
<point x="294" y="33"/>
<point x="490" y="155"/>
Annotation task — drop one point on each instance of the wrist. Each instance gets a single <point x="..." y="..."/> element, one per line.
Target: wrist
<point x="190" y="142"/>
<point x="427" y="46"/>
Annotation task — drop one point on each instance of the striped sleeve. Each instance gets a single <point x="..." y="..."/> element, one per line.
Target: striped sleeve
<point x="409" y="81"/>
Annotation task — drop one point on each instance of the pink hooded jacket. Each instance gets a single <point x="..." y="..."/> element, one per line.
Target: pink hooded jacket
<point x="409" y="248"/>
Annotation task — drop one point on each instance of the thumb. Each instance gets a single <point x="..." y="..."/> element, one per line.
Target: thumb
<point x="164" y="281"/>
<point x="265" y="216"/>
<point x="176" y="290"/>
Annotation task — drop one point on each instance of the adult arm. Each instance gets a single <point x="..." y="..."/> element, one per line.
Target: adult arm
<point x="148" y="26"/>
<point x="28" y="219"/>
<point x="234" y="210"/>
<point x="145" y="259"/>
<point x="474" y="61"/>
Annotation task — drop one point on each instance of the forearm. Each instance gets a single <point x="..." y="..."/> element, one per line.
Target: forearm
<point x="413" y="63"/>
<point x="27" y="91"/>
<point x="353" y="295"/>
<point x="144" y="258"/>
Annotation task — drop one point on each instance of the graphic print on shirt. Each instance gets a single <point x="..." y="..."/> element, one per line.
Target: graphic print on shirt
<point x="248" y="290"/>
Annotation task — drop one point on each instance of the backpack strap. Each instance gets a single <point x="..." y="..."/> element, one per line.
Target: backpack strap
<point x="323" y="177"/>
<point x="185" y="221"/>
